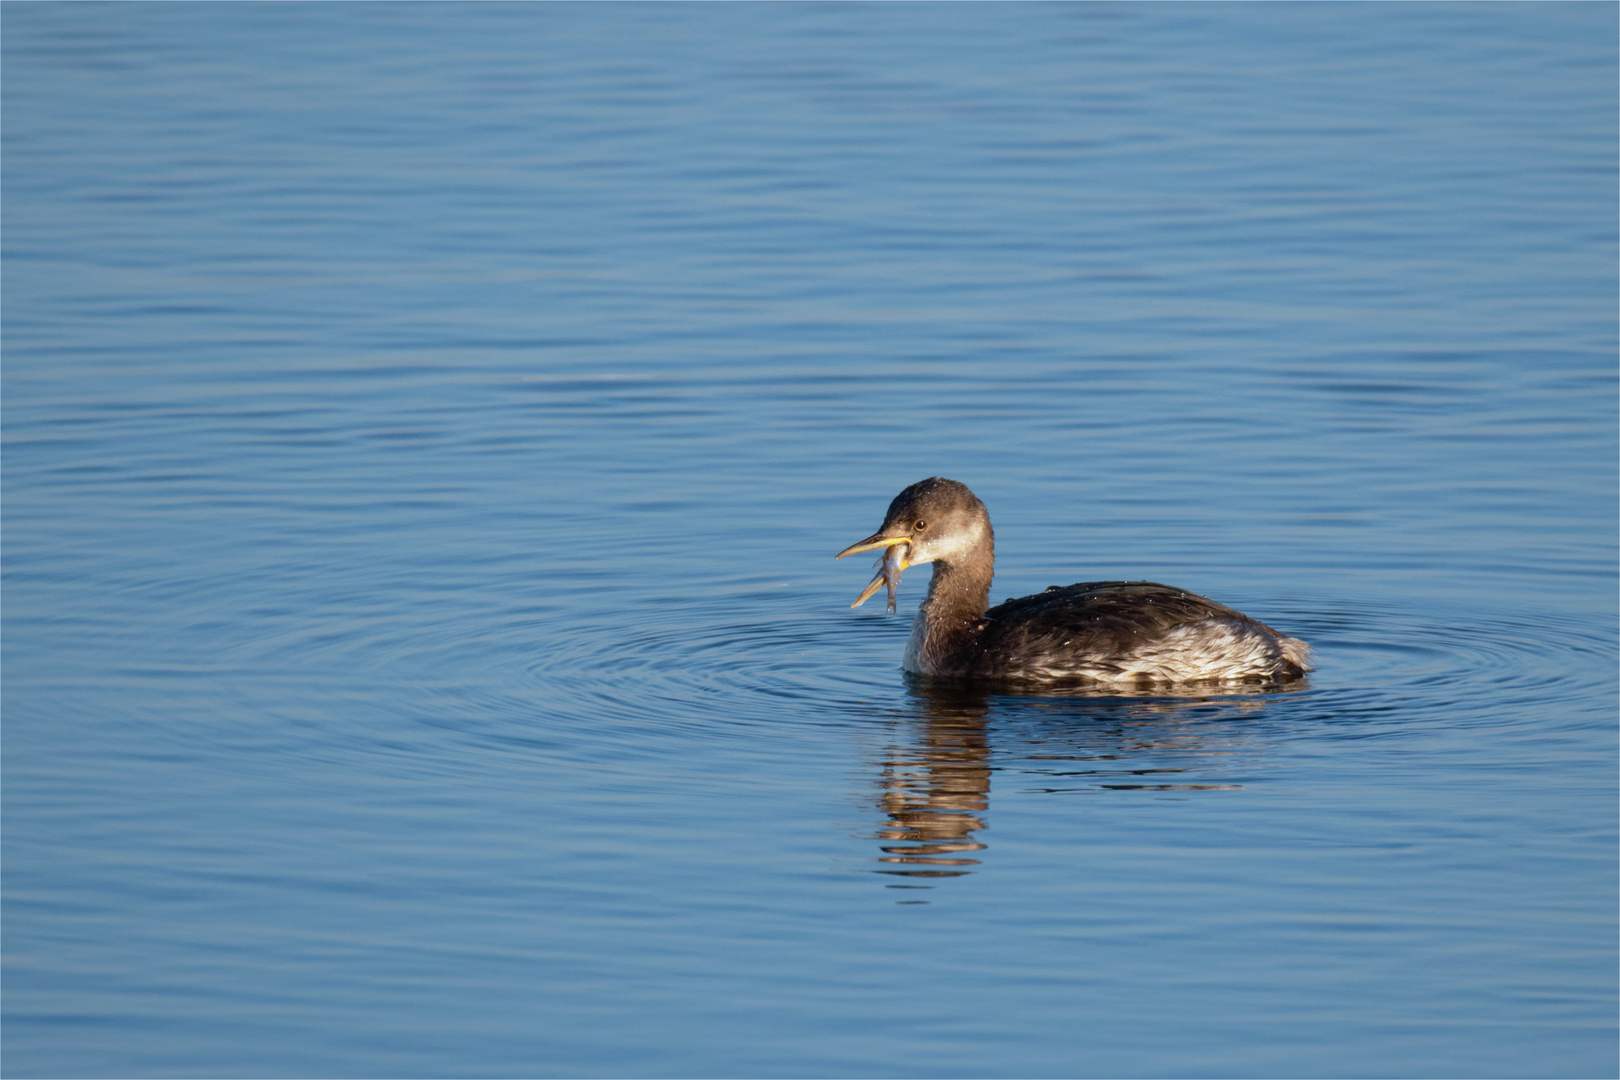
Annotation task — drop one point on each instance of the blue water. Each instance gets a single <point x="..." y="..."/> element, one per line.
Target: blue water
<point x="427" y="431"/>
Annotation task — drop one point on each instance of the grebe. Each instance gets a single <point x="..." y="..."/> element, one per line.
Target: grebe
<point x="1097" y="631"/>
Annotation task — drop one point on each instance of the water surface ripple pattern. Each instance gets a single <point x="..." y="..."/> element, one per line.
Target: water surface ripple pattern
<point x="427" y="431"/>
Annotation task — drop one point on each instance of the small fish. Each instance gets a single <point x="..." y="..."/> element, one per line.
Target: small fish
<point x="889" y="568"/>
<point x="894" y="561"/>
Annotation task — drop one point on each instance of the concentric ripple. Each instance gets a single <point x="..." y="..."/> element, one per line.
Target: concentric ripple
<point x="590" y="683"/>
<point x="687" y="661"/>
<point x="826" y="662"/>
<point x="1500" y="661"/>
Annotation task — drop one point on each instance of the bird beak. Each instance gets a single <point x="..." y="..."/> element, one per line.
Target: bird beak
<point x="872" y="543"/>
<point x="866" y="593"/>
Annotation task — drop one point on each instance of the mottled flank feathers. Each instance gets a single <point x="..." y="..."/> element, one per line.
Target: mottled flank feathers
<point x="1131" y="631"/>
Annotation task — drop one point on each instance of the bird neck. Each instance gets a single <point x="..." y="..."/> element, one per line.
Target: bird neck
<point x="949" y="622"/>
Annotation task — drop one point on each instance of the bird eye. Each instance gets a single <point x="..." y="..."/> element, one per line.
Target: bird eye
<point x="921" y="524"/>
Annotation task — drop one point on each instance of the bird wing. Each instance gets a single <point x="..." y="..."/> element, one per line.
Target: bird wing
<point x="1095" y="619"/>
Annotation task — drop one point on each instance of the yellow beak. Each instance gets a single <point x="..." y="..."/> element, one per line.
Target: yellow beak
<point x="872" y="543"/>
<point x="866" y="593"/>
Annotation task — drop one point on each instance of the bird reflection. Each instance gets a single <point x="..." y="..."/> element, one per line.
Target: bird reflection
<point x="935" y="792"/>
<point x="934" y="786"/>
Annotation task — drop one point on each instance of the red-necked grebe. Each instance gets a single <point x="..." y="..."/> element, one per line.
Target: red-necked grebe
<point x="1096" y="631"/>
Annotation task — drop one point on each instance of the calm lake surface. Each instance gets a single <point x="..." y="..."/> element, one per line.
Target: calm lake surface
<point x="427" y="431"/>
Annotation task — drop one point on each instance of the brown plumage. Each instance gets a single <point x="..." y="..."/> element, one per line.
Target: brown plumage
<point x="1099" y="631"/>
